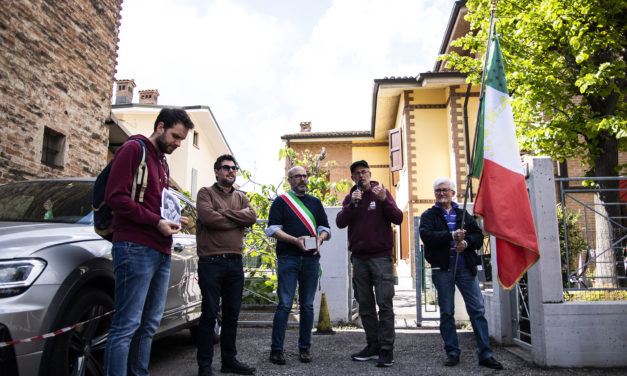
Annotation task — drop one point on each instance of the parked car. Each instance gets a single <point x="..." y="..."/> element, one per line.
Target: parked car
<point x="55" y="271"/>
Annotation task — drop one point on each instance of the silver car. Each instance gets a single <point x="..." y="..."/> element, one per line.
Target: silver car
<point x="55" y="273"/>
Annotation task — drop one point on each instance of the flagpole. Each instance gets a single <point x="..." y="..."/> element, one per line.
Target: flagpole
<point x="474" y="142"/>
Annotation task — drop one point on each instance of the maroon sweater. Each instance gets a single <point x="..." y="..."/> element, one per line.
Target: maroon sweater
<point x="133" y="221"/>
<point x="369" y="225"/>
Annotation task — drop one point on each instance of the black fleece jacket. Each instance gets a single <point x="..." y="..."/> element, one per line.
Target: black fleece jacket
<point x="437" y="238"/>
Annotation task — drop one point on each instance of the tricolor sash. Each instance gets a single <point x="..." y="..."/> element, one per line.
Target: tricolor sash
<point x="301" y="212"/>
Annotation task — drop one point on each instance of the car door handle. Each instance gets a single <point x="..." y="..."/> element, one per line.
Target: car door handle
<point x="178" y="247"/>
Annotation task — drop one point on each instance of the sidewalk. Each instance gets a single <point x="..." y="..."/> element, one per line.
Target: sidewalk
<point x="418" y="351"/>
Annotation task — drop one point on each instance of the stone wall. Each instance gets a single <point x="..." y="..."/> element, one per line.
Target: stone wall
<point x="56" y="71"/>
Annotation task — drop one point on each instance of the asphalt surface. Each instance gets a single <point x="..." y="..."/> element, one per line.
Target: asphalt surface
<point x="418" y="351"/>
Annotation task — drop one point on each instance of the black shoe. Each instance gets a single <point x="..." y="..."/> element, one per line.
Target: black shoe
<point x="451" y="360"/>
<point x="276" y="357"/>
<point x="236" y="367"/>
<point x="369" y="352"/>
<point x="305" y="355"/>
<point x="491" y="363"/>
<point x="386" y="358"/>
<point x="205" y="371"/>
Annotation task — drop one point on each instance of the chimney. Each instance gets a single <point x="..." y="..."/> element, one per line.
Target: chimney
<point x="148" y="96"/>
<point x="305" y="126"/>
<point x="124" y="91"/>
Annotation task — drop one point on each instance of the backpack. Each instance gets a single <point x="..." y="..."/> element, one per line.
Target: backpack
<point x="103" y="215"/>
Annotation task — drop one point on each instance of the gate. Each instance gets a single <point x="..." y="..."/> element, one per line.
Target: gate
<point x="426" y="295"/>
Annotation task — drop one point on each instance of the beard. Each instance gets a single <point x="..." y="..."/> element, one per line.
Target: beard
<point x="162" y="146"/>
<point x="227" y="182"/>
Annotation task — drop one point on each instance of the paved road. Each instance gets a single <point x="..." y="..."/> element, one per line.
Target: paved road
<point x="418" y="352"/>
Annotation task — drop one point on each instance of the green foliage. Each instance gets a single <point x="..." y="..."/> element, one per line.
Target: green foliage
<point x="576" y="241"/>
<point x="566" y="70"/>
<point x="260" y="258"/>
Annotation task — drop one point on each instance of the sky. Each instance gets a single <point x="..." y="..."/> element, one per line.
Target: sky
<point x="265" y="66"/>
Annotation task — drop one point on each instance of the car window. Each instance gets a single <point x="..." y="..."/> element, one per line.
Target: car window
<point x="46" y="201"/>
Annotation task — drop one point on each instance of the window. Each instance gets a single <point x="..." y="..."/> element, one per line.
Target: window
<point x="53" y="148"/>
<point x="195" y="138"/>
<point x="194" y="183"/>
<point x="396" y="153"/>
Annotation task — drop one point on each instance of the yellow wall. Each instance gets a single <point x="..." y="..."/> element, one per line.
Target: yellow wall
<point x="378" y="159"/>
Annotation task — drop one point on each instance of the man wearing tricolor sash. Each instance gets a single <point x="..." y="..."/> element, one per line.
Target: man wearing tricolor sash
<point x="295" y="219"/>
<point x="369" y="211"/>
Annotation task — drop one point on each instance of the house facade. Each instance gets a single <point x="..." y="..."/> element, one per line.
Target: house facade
<point x="191" y="165"/>
<point x="56" y="72"/>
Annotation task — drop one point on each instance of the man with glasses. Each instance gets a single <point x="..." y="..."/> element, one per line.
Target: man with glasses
<point x="447" y="245"/>
<point x="369" y="211"/>
<point x="223" y="215"/>
<point x="299" y="224"/>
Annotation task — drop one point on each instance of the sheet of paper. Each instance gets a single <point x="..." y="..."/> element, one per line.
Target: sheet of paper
<point x="170" y="207"/>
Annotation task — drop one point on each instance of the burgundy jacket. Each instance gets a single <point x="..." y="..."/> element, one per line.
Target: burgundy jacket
<point x="370" y="224"/>
<point x="133" y="221"/>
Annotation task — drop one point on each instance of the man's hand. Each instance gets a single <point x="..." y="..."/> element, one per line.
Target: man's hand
<point x="167" y="228"/>
<point x="459" y="235"/>
<point x="300" y="243"/>
<point x="379" y="191"/>
<point x="184" y="222"/>
<point x="460" y="246"/>
<point x="356" y="195"/>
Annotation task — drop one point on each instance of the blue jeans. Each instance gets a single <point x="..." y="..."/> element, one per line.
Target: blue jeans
<point x="219" y="278"/>
<point x="373" y="284"/>
<point x="141" y="285"/>
<point x="468" y="286"/>
<point x="293" y="269"/>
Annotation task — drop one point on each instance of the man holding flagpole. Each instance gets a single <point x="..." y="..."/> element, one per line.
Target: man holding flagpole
<point x="450" y="249"/>
<point x="299" y="223"/>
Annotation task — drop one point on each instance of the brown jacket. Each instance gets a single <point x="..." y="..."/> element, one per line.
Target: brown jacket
<point x="222" y="218"/>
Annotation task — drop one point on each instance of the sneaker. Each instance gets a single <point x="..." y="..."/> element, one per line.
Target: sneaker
<point x="386" y="358"/>
<point x="369" y="352"/>
<point x="276" y="357"/>
<point x="305" y="356"/>
<point x="236" y="367"/>
<point x="491" y="363"/>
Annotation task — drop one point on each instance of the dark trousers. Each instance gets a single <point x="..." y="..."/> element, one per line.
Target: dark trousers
<point x="373" y="283"/>
<point x="219" y="278"/>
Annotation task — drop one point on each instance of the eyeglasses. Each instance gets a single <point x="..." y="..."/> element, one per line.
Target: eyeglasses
<point x="228" y="168"/>
<point x="446" y="190"/>
<point x="360" y="173"/>
<point x="298" y="176"/>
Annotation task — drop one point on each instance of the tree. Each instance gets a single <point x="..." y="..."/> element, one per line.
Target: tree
<point x="566" y="70"/>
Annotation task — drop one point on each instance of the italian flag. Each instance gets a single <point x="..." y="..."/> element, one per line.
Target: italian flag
<point x="502" y="198"/>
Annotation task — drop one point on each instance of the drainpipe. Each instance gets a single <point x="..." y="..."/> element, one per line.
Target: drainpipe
<point x="466" y="131"/>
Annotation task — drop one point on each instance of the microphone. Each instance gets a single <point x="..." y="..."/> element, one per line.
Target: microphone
<point x="360" y="188"/>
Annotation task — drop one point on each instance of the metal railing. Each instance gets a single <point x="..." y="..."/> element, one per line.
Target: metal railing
<point x="594" y="238"/>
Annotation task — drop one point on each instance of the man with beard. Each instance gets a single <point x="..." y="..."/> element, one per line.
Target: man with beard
<point x="142" y="242"/>
<point x="295" y="219"/>
<point x="223" y="215"/>
<point x="369" y="211"/>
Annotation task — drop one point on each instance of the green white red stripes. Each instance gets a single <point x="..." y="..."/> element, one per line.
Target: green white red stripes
<point x="301" y="211"/>
<point x="502" y="198"/>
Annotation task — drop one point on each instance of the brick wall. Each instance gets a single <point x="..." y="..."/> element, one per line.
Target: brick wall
<point x="56" y="70"/>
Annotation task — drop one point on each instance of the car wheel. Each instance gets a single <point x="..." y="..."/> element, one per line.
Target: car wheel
<point x="81" y="350"/>
<point x="217" y="329"/>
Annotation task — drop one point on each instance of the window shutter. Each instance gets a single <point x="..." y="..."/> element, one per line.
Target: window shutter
<point x="396" y="153"/>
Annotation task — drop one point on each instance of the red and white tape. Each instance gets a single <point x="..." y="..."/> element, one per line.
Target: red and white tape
<point x="55" y="333"/>
<point x="67" y="328"/>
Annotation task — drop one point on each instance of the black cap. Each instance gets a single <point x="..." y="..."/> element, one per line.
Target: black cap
<point x="357" y="164"/>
